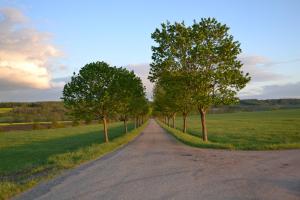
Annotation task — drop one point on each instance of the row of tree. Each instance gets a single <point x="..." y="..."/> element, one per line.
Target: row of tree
<point x="195" y="67"/>
<point x="100" y="91"/>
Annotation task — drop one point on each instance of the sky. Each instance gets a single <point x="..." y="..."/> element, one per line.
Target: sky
<point x="43" y="42"/>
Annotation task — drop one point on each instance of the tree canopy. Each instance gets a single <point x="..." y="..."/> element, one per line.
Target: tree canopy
<point x="205" y="57"/>
<point x="100" y="91"/>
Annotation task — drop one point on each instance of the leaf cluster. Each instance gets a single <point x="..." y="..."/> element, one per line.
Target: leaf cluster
<point x="197" y="65"/>
<point x="100" y="90"/>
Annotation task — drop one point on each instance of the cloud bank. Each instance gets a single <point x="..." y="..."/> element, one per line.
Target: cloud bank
<point x="26" y="54"/>
<point x="259" y="69"/>
<point x="291" y="90"/>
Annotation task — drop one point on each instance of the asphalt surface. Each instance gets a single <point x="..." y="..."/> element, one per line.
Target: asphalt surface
<point x="156" y="166"/>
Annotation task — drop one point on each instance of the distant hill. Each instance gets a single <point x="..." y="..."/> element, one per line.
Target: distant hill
<point x="258" y="105"/>
<point x="47" y="110"/>
<point x="270" y="102"/>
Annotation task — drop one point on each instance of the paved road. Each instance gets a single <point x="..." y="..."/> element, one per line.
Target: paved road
<point x="156" y="166"/>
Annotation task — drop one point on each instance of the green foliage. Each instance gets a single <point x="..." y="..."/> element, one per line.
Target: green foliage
<point x="100" y="91"/>
<point x="90" y="92"/>
<point x="172" y="94"/>
<point x="264" y="130"/>
<point x="198" y="63"/>
<point x="130" y="93"/>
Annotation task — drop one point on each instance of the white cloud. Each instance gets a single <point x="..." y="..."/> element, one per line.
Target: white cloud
<point x="25" y="53"/>
<point x="264" y="79"/>
<point x="291" y="90"/>
<point x="259" y="69"/>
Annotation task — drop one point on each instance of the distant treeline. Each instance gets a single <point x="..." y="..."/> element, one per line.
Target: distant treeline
<point x="34" y="112"/>
<point x="53" y="111"/>
<point x="258" y="105"/>
<point x="29" y="104"/>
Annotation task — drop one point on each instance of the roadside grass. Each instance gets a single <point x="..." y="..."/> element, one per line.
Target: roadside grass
<point x="28" y="157"/>
<point x="5" y="110"/>
<point x="264" y="130"/>
<point x="193" y="140"/>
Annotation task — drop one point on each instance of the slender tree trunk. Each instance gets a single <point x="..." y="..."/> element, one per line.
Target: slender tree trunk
<point x="203" y="123"/>
<point x="135" y="125"/>
<point x="184" y="123"/>
<point x="125" y="126"/>
<point x="105" y="130"/>
<point x="173" y="121"/>
<point x="169" y="121"/>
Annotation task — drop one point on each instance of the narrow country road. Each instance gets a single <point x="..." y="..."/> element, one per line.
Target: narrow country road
<point x="156" y="166"/>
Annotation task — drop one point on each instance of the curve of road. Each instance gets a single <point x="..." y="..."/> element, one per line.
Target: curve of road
<point x="156" y="166"/>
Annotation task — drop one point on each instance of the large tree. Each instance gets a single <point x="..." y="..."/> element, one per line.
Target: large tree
<point x="218" y="74"/>
<point x="129" y="90"/>
<point x="91" y="93"/>
<point x="170" y="64"/>
<point x="205" y="55"/>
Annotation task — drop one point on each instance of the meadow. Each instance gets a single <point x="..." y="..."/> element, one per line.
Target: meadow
<point x="27" y="157"/>
<point x="5" y="110"/>
<point x="263" y="130"/>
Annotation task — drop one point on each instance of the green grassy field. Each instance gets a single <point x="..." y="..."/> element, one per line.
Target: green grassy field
<point x="263" y="130"/>
<point x="29" y="123"/>
<point x="22" y="123"/>
<point x="5" y="110"/>
<point x="28" y="157"/>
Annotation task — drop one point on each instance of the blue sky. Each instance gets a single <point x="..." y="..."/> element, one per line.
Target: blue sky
<point x="119" y="32"/>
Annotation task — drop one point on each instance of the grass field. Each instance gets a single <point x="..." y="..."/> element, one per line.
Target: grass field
<point x="263" y="130"/>
<point x="23" y="123"/>
<point x="5" y="110"/>
<point x="29" y="123"/>
<point x="28" y="157"/>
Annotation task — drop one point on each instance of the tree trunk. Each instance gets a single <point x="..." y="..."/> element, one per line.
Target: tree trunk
<point x="135" y="125"/>
<point x="125" y="126"/>
<point x="105" y="130"/>
<point x="173" y="121"/>
<point x="168" y="121"/>
<point x="184" y="123"/>
<point x="203" y="123"/>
